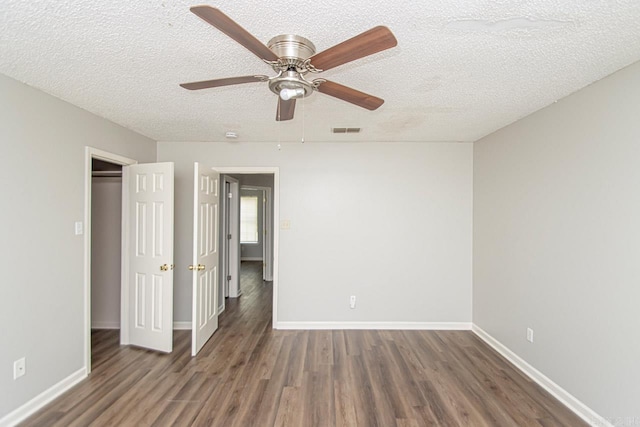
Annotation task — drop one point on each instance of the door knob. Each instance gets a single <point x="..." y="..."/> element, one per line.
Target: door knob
<point x="164" y="267"/>
<point x="199" y="267"/>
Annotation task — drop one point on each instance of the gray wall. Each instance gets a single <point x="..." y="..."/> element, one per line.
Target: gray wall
<point x="262" y="180"/>
<point x="557" y="241"/>
<point x="253" y="250"/>
<point x="106" y="251"/>
<point x="394" y="229"/>
<point x="43" y="143"/>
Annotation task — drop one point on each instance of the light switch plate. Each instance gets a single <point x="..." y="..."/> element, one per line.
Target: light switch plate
<point x="19" y="368"/>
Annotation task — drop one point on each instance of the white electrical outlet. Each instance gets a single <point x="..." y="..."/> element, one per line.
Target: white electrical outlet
<point x="19" y="368"/>
<point x="352" y="301"/>
<point x="529" y="334"/>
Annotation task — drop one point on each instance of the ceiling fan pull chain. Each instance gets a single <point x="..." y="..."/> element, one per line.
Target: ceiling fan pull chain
<point x="279" y="128"/>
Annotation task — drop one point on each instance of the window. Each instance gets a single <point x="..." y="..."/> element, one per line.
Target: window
<point x="249" y="219"/>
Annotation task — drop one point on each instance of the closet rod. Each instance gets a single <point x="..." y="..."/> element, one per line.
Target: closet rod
<point x="102" y="174"/>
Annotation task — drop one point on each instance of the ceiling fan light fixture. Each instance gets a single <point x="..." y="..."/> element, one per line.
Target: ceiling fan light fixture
<point x="291" y="93"/>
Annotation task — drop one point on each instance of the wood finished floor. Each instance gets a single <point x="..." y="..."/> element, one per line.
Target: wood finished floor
<point x="251" y="375"/>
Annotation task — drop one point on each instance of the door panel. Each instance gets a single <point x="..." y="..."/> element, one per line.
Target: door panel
<point x="205" y="256"/>
<point x="150" y="255"/>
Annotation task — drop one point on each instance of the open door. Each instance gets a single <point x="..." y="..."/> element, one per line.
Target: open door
<point x="147" y="313"/>
<point x="205" y="256"/>
<point x="267" y="238"/>
<point x="231" y="244"/>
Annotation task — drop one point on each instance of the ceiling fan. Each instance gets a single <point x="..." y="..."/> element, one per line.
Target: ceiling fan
<point x="292" y="58"/>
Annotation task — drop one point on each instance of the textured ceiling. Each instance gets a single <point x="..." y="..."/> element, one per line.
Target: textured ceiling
<point x="461" y="70"/>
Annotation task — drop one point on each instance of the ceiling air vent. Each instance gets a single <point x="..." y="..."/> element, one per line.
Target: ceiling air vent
<point x="345" y="130"/>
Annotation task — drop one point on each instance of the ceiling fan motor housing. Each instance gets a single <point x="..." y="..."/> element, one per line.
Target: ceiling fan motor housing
<point x="293" y="52"/>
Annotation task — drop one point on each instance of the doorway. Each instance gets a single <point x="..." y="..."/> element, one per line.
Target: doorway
<point x="102" y="253"/>
<point x="266" y="181"/>
<point x="106" y="244"/>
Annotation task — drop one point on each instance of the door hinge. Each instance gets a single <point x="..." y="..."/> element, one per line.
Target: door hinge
<point x="230" y="196"/>
<point x="228" y="236"/>
<point x="228" y="278"/>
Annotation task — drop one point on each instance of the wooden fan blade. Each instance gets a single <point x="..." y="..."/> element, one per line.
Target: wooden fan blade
<point x="372" y="41"/>
<point x="223" y="82"/>
<point x="351" y="95"/>
<point x="285" y="109"/>
<point x="228" y="26"/>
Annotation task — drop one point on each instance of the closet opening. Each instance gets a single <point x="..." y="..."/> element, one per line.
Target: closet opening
<point x="106" y="254"/>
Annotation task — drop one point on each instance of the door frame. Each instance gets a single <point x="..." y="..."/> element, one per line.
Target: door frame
<point x="275" y="220"/>
<point x="90" y="154"/>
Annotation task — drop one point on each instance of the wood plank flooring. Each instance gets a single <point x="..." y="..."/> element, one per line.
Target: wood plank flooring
<point x="251" y="375"/>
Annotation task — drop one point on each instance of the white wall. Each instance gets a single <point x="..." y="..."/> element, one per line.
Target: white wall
<point x="106" y="218"/>
<point x="389" y="223"/>
<point x="43" y="143"/>
<point x="557" y="242"/>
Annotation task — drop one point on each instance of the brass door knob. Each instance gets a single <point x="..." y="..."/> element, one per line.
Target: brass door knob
<point x="199" y="267"/>
<point x="164" y="267"/>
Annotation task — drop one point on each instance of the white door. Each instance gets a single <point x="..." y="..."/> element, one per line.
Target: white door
<point x="223" y="290"/>
<point x="267" y="241"/>
<point x="205" y="256"/>
<point x="232" y="281"/>
<point x="148" y="270"/>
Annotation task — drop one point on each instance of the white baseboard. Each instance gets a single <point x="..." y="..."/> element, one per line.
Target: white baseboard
<point x="105" y="325"/>
<point x="182" y="326"/>
<point x="442" y="326"/>
<point x="251" y="258"/>
<point x="29" y="408"/>
<point x="566" y="398"/>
